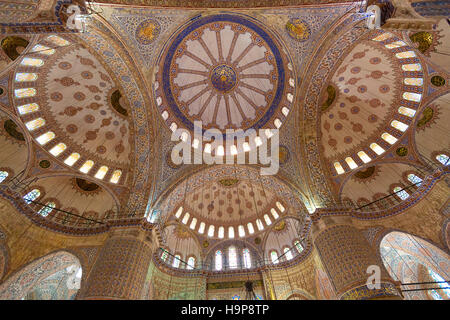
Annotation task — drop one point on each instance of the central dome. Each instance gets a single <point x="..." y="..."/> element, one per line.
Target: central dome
<point x="226" y="71"/>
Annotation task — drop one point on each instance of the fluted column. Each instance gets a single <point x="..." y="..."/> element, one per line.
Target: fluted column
<point x="121" y="266"/>
<point x="346" y="255"/>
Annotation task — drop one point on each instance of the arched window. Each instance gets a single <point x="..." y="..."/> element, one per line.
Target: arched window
<point x="28" y="108"/>
<point x="176" y="261"/>
<point x="274" y="256"/>
<point x="211" y="231"/>
<point x="58" y="40"/>
<point x="444" y="293"/>
<point x="25" y="92"/>
<point x="190" y="263"/>
<point x="274" y="213"/>
<point x="351" y="163"/>
<point x="34" y="124"/>
<point x="230" y="232"/>
<point x="402" y="194"/>
<point x="407" y="111"/>
<point x="414" y="179"/>
<point x="241" y="231"/>
<point x="185" y="218"/>
<point x="259" y="224"/>
<point x="47" y="209"/>
<point x="298" y="246"/>
<point x="267" y="219"/>
<point x="87" y="166"/>
<point x="247" y="258"/>
<point x="32" y="195"/>
<point x="101" y="172"/>
<point x="399" y="125"/>
<point x="232" y="257"/>
<point x="56" y="150"/>
<point x="179" y="212"/>
<point x="39" y="48"/>
<point x="72" y="159"/>
<point x="3" y="176"/>
<point x="287" y="253"/>
<point x="32" y="62"/>
<point x="280" y="206"/>
<point x="193" y="223"/>
<point x="376" y="148"/>
<point x="443" y="158"/>
<point x="24" y="77"/>
<point x="164" y="255"/>
<point x="250" y="228"/>
<point x="201" y="228"/>
<point x="338" y="168"/>
<point x="388" y="138"/>
<point x="218" y="260"/>
<point x="116" y="176"/>
<point x="364" y="157"/>
<point x="46" y="137"/>
<point x="221" y="232"/>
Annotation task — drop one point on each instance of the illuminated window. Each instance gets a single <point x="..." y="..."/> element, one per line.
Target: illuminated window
<point x="39" y="48"/>
<point x="444" y="293"/>
<point x="285" y="111"/>
<point x="376" y="148"/>
<point x="190" y="263"/>
<point x="388" y="138"/>
<point x="274" y="213"/>
<point x="176" y="261"/>
<point x="399" y="125"/>
<point x="58" y="41"/>
<point x="383" y="36"/>
<point x="178" y="213"/>
<point x="218" y="260"/>
<point x="173" y="126"/>
<point x="116" y="176"/>
<point x="193" y="223"/>
<point x="280" y="206"/>
<point x="250" y="228"/>
<point x="32" y="195"/>
<point x="405" y="54"/>
<point x="232" y="257"/>
<point x="402" y="194"/>
<point x="241" y="231"/>
<point x="101" y="172"/>
<point x="414" y="179"/>
<point x="413" y="81"/>
<point x="201" y="228"/>
<point x="236" y="297"/>
<point x="364" y="157"/>
<point x="87" y="166"/>
<point x="442" y="158"/>
<point x="47" y="209"/>
<point x="411" y="96"/>
<point x="274" y="256"/>
<point x="412" y="67"/>
<point x="277" y="122"/>
<point x="33" y="62"/>
<point x="25" y="92"/>
<point x="164" y="255"/>
<point x="267" y="219"/>
<point x="396" y="44"/>
<point x="230" y="232"/>
<point x="185" y="218"/>
<point x="338" y="168"/>
<point x="259" y="224"/>
<point x="246" y="258"/>
<point x="28" y="108"/>
<point x="221" y="232"/>
<point x="23" y="77"/>
<point x="72" y="159"/>
<point x="291" y="82"/>
<point x="211" y="231"/>
<point x="56" y="150"/>
<point x="298" y="246"/>
<point x="34" y="124"/>
<point x="407" y="112"/>
<point x="165" y="115"/>
<point x="287" y="253"/>
<point x="290" y="97"/>
<point x="3" y="176"/>
<point x="351" y="163"/>
<point x="46" y="137"/>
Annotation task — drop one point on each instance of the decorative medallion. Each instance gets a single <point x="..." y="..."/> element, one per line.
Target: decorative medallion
<point x="427" y="115"/>
<point x="181" y="233"/>
<point x="147" y="31"/>
<point x="366" y="173"/>
<point x="44" y="164"/>
<point x="86" y="185"/>
<point x="280" y="226"/>
<point x="228" y="182"/>
<point x="223" y="78"/>
<point x="11" y="128"/>
<point x="257" y="240"/>
<point x="402" y="151"/>
<point x="423" y="39"/>
<point x="298" y="29"/>
<point x="330" y="97"/>
<point x="437" y="81"/>
<point x="115" y="103"/>
<point x="205" y="244"/>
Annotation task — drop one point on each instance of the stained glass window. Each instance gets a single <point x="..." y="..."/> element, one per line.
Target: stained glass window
<point x="402" y="194"/>
<point x="179" y="212"/>
<point x="338" y="168"/>
<point x="221" y="232"/>
<point x="413" y="81"/>
<point x="232" y="257"/>
<point x="176" y="261"/>
<point x="351" y="163"/>
<point x="25" y="92"/>
<point x="411" y="96"/>
<point x="241" y="231"/>
<point x="28" y="108"/>
<point x="56" y="150"/>
<point x="34" y="124"/>
<point x="190" y="263"/>
<point x="201" y="228"/>
<point x="72" y="159"/>
<point x="165" y="115"/>
<point x="116" y="176"/>
<point x="58" y="41"/>
<point x="250" y="228"/>
<point x="218" y="260"/>
<point x="405" y="54"/>
<point x="33" y="62"/>
<point x="3" y="176"/>
<point x="25" y="76"/>
<point x="193" y="223"/>
<point x="396" y="44"/>
<point x="274" y="256"/>
<point x="46" y="137"/>
<point x="32" y="195"/>
<point x="412" y="67"/>
<point x="376" y="148"/>
<point x="47" y="209"/>
<point x="442" y="284"/>
<point x="383" y="36"/>
<point x="399" y="125"/>
<point x="280" y="206"/>
<point x="164" y="255"/>
<point x="298" y="246"/>
<point x="267" y="219"/>
<point x="230" y="232"/>
<point x="277" y="122"/>
<point x="414" y="179"/>
<point x="101" y="172"/>
<point x="39" y="48"/>
<point x="364" y="157"/>
<point x="388" y="138"/>
<point x="211" y="231"/>
<point x="287" y="253"/>
<point x="259" y="224"/>
<point x="185" y="218"/>
<point x="443" y="158"/>
<point x="236" y="297"/>
<point x="87" y="166"/>
<point x="246" y="258"/>
<point x="274" y="213"/>
<point x="407" y="112"/>
<point x="258" y="297"/>
<point x="285" y="111"/>
<point x="290" y="97"/>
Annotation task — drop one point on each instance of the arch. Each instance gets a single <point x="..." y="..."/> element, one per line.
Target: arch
<point x="24" y="280"/>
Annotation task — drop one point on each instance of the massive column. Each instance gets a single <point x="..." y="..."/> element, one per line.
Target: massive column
<point x="347" y="256"/>
<point x="121" y="266"/>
